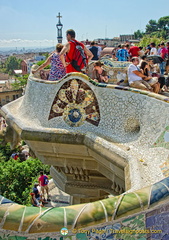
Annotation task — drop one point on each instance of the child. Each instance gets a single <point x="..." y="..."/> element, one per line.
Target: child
<point x="99" y="73"/>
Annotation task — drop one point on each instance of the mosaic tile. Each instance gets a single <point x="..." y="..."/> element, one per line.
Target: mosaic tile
<point x="165" y="168"/>
<point x="157" y="221"/>
<point x="132" y="228"/>
<point x="76" y="103"/>
<point x="159" y="191"/>
<point x="163" y="139"/>
<point x="129" y="204"/>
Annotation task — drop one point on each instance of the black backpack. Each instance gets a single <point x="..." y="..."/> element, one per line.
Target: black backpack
<point x="79" y="60"/>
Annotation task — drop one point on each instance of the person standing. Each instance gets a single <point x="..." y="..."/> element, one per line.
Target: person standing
<point x="122" y="54"/>
<point x="163" y="54"/>
<point x="94" y="51"/>
<point x="153" y="50"/>
<point x="134" y="51"/>
<point x="167" y="62"/>
<point x="70" y="48"/>
<point x="43" y="183"/>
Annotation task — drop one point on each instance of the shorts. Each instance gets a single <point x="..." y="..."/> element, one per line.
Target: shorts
<point x="144" y="85"/>
<point x="44" y="187"/>
<point x="152" y="81"/>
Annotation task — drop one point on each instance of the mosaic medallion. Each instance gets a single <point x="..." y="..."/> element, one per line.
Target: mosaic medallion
<point x="76" y="103"/>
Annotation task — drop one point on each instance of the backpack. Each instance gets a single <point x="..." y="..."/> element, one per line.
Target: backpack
<point x="45" y="180"/>
<point x="79" y="60"/>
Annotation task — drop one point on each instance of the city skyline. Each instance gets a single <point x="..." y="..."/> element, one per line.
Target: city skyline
<point x="33" y="24"/>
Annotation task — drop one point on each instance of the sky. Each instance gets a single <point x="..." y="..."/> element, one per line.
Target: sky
<point x="29" y="23"/>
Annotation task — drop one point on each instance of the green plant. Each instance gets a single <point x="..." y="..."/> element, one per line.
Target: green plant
<point x="17" y="178"/>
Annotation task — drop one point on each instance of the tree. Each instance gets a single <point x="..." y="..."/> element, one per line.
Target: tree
<point x="17" y="178"/>
<point x="41" y="62"/>
<point x="138" y="34"/>
<point x="148" y="39"/>
<point x="151" y="27"/>
<point x="12" y="63"/>
<point x="20" y="82"/>
<point x="163" y="23"/>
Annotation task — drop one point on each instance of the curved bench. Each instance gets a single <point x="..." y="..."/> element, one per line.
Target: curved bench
<point x="138" y="153"/>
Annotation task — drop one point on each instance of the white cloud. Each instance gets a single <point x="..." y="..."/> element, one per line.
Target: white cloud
<point x="26" y="43"/>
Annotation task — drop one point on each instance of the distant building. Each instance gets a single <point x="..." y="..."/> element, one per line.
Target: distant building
<point x="27" y="64"/>
<point x="126" y="37"/>
<point x="7" y="93"/>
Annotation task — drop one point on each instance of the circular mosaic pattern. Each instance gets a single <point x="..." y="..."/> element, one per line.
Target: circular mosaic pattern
<point x="76" y="102"/>
<point x="74" y="117"/>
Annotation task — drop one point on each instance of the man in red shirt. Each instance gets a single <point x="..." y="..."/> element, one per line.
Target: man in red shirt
<point x="43" y="183"/>
<point x="69" y="49"/>
<point x="134" y="51"/>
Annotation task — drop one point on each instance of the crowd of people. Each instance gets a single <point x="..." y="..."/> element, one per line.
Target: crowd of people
<point x="144" y="74"/>
<point x="74" y="56"/>
<point x="126" y="52"/>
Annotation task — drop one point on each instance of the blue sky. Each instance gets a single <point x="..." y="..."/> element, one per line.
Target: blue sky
<point x="33" y="22"/>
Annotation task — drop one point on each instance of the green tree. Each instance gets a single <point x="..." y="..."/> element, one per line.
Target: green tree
<point x="163" y="23"/>
<point x="5" y="151"/>
<point x="20" y="82"/>
<point x="41" y="62"/>
<point x="138" y="34"/>
<point x="17" y="178"/>
<point x="148" y="39"/>
<point x="151" y="27"/>
<point x="12" y="63"/>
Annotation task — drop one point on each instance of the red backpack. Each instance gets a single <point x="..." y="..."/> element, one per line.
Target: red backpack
<point x="79" y="60"/>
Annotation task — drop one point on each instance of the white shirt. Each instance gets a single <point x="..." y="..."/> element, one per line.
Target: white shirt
<point x="132" y="77"/>
<point x="153" y="51"/>
<point x="99" y="50"/>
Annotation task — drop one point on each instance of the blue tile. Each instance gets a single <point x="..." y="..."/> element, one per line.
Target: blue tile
<point x="165" y="181"/>
<point x="158" y="192"/>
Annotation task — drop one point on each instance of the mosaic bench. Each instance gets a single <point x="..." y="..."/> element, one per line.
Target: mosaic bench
<point x="116" y="71"/>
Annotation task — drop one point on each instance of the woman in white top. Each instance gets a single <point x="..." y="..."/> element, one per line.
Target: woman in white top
<point x="153" y="50"/>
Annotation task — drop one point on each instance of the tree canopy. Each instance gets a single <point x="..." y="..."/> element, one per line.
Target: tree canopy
<point x="155" y="28"/>
<point x="12" y="63"/>
<point x="18" y="178"/>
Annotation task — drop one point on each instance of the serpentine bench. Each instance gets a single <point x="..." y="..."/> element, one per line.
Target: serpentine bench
<point x="116" y="70"/>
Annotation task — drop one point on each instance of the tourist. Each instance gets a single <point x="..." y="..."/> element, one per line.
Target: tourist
<point x="159" y="49"/>
<point x="116" y="51"/>
<point x="99" y="49"/>
<point x="36" y="191"/>
<point x="99" y="73"/>
<point x="145" y="69"/>
<point x="163" y="54"/>
<point x="134" y="51"/>
<point x="14" y="156"/>
<point x="94" y="51"/>
<point x="43" y="183"/>
<point x="122" y="54"/>
<point x="141" y="52"/>
<point x="167" y="58"/>
<point x="58" y="65"/>
<point x="136" y="78"/>
<point x="70" y="48"/>
<point x="148" y="49"/>
<point x="34" y="201"/>
<point x="153" y="50"/>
